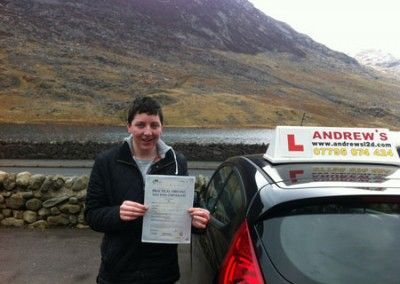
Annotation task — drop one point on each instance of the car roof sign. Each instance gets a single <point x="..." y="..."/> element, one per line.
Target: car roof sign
<point x="297" y="144"/>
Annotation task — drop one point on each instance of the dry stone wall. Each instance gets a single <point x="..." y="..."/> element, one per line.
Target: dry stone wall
<point x="88" y="150"/>
<point x="40" y="201"/>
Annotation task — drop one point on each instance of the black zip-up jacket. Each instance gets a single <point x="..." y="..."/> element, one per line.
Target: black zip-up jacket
<point x="115" y="177"/>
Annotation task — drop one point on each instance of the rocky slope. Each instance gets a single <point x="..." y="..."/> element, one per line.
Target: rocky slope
<point x="210" y="62"/>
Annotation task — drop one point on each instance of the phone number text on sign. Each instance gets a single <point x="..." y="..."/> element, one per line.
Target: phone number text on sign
<point x="335" y="151"/>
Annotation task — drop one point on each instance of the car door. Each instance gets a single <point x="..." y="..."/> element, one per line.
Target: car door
<point x="225" y="199"/>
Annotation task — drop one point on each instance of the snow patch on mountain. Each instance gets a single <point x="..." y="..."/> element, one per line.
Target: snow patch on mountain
<point x="380" y="60"/>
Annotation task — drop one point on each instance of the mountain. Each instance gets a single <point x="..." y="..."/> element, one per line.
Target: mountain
<point x="212" y="63"/>
<point x="380" y="60"/>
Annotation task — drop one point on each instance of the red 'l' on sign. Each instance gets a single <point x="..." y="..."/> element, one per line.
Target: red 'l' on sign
<point x="292" y="146"/>
<point x="293" y="175"/>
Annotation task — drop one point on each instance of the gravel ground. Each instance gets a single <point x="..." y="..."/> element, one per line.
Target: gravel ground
<point x="58" y="256"/>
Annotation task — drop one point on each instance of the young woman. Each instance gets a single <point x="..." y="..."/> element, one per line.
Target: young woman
<point x="114" y="202"/>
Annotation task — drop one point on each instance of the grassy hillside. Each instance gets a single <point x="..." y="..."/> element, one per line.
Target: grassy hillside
<point x="81" y="84"/>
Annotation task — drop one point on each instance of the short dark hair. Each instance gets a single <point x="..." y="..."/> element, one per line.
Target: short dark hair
<point x="144" y="104"/>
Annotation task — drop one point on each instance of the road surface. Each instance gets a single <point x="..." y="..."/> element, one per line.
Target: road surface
<point x="83" y="167"/>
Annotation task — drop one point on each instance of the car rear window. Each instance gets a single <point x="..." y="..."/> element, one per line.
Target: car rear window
<point x="335" y="241"/>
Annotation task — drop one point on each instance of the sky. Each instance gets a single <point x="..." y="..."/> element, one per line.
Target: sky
<point x="349" y="26"/>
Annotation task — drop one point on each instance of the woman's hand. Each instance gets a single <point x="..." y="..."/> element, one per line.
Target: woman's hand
<point x="200" y="217"/>
<point x="130" y="210"/>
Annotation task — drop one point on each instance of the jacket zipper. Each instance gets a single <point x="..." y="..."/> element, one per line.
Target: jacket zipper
<point x="155" y="168"/>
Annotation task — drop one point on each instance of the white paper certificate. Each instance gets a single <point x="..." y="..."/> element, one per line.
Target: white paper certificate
<point x="167" y="219"/>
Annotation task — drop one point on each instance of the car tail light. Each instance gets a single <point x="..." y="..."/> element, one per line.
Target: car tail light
<point x="240" y="264"/>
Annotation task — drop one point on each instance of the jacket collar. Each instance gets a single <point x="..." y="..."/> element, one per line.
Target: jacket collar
<point x="125" y="155"/>
<point x="162" y="147"/>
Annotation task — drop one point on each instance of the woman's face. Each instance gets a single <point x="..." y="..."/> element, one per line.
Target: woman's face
<point x="146" y="130"/>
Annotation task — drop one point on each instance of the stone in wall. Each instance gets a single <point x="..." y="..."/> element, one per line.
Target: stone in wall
<point x="34" y="204"/>
<point x="9" y="182"/>
<point x="11" y="221"/>
<point x="22" y="179"/>
<point x="2" y="178"/>
<point x="15" y="201"/>
<point x="36" y="181"/>
<point x="30" y="216"/>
